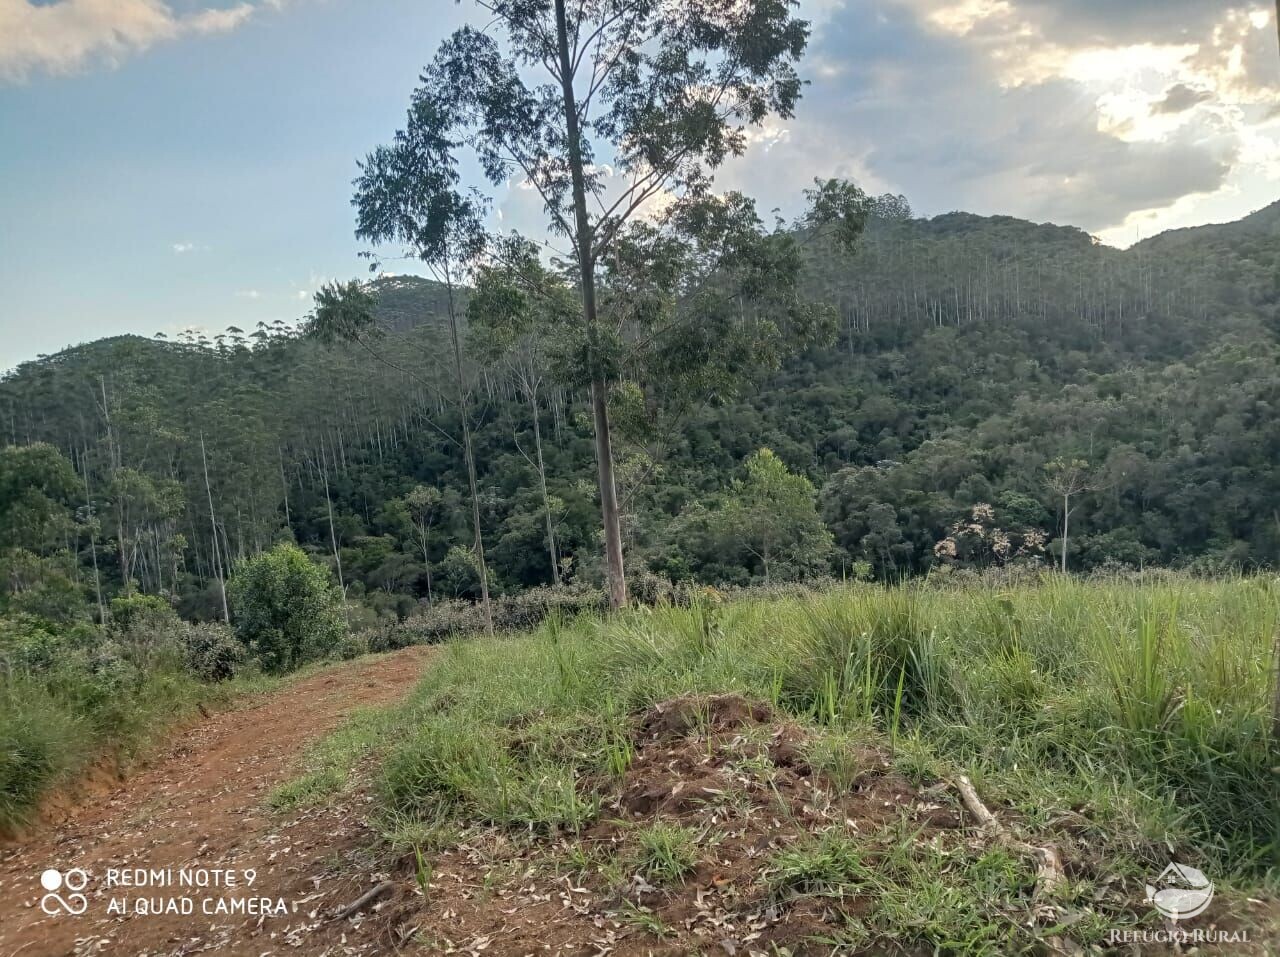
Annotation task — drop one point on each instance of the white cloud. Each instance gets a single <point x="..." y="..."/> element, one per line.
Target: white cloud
<point x="184" y="247"/>
<point x="68" y="35"/>
<point x="248" y="294"/>
<point x="1120" y="118"/>
<point x="219" y="20"/>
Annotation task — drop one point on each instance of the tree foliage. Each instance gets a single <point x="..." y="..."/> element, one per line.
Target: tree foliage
<point x="286" y="609"/>
<point x="967" y="354"/>
<point x="771" y="513"/>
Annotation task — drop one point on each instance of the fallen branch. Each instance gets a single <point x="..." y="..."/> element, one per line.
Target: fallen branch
<point x="364" y="900"/>
<point x="1049" y="876"/>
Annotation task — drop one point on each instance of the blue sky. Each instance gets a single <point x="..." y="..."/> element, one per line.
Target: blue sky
<point x="176" y="164"/>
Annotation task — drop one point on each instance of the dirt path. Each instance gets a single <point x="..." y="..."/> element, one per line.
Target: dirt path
<point x="197" y="812"/>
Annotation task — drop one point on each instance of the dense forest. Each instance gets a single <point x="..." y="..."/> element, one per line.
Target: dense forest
<point x="990" y="382"/>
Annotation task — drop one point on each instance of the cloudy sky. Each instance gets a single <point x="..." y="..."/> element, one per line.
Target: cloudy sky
<point x="175" y="163"/>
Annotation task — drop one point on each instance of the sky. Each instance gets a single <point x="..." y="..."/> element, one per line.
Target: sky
<point x="169" y="164"/>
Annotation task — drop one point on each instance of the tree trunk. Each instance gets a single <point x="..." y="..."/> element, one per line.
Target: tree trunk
<point x="213" y="522"/>
<point x="1066" y="520"/>
<point x="333" y="532"/>
<point x="426" y="560"/>
<point x="93" y="546"/>
<point x="469" y="453"/>
<point x="122" y="547"/>
<point x="284" y="484"/>
<point x="542" y="482"/>
<point x="586" y="262"/>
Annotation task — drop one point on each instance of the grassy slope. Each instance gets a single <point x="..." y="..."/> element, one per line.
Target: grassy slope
<point x="1123" y="724"/>
<point x="52" y="727"/>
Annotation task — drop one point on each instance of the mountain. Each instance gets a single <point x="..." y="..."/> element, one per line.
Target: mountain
<point x="973" y="352"/>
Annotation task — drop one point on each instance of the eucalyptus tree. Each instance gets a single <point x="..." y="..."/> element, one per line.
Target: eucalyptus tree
<point x="1067" y="478"/>
<point x="425" y="505"/>
<point x="604" y="107"/>
<point x="705" y="296"/>
<point x="517" y="312"/>
<point x="407" y="193"/>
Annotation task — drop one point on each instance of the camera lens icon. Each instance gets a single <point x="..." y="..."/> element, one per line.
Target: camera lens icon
<point x="74" y="880"/>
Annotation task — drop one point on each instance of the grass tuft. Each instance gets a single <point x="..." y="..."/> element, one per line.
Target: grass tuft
<point x="667" y="852"/>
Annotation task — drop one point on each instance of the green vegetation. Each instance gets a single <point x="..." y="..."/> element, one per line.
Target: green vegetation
<point x="329" y="762"/>
<point x="855" y="393"/>
<point x="84" y="676"/>
<point x="1119" y="722"/>
<point x="71" y="695"/>
<point x="770" y="504"/>
<point x="287" y="611"/>
<point x="827" y="864"/>
<point x="978" y="362"/>
<point x="667" y="852"/>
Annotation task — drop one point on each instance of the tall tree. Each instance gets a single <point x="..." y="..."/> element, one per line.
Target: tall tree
<point x="213" y="526"/>
<point x="773" y="514"/>
<point x="408" y="193"/>
<point x="1068" y="478"/>
<point x="665" y="93"/>
<point x="425" y="504"/>
<point x="516" y="309"/>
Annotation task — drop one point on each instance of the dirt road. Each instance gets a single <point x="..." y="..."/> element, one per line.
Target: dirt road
<point x="189" y="836"/>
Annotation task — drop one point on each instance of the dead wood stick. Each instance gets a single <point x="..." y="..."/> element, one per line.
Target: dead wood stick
<point x="365" y="899"/>
<point x="969" y="795"/>
<point x="1049" y="874"/>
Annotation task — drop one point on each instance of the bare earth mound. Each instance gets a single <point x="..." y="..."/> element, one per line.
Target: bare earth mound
<point x="721" y="838"/>
<point x="719" y="770"/>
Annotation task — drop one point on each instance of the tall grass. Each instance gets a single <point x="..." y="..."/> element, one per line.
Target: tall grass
<point x="69" y="698"/>
<point x="52" y="726"/>
<point x="1145" y="703"/>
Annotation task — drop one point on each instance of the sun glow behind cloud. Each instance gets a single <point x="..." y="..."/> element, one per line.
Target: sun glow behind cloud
<point x="1122" y="118"/>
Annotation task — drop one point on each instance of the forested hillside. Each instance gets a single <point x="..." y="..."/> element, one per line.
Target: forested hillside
<point x="986" y="371"/>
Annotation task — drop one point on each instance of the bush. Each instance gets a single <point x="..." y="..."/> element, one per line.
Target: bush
<point x="213" y="653"/>
<point x="28" y="645"/>
<point x="137" y="612"/>
<point x="453" y="618"/>
<point x="286" y="608"/>
<point x="146" y="631"/>
<point x="70" y="691"/>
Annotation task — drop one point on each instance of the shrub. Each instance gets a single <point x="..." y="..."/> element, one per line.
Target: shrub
<point x="287" y="610"/>
<point x="28" y="644"/>
<point x="212" y="652"/>
<point x="134" y="612"/>
<point x="69" y="691"/>
<point x="146" y="631"/>
<point x="387" y="636"/>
